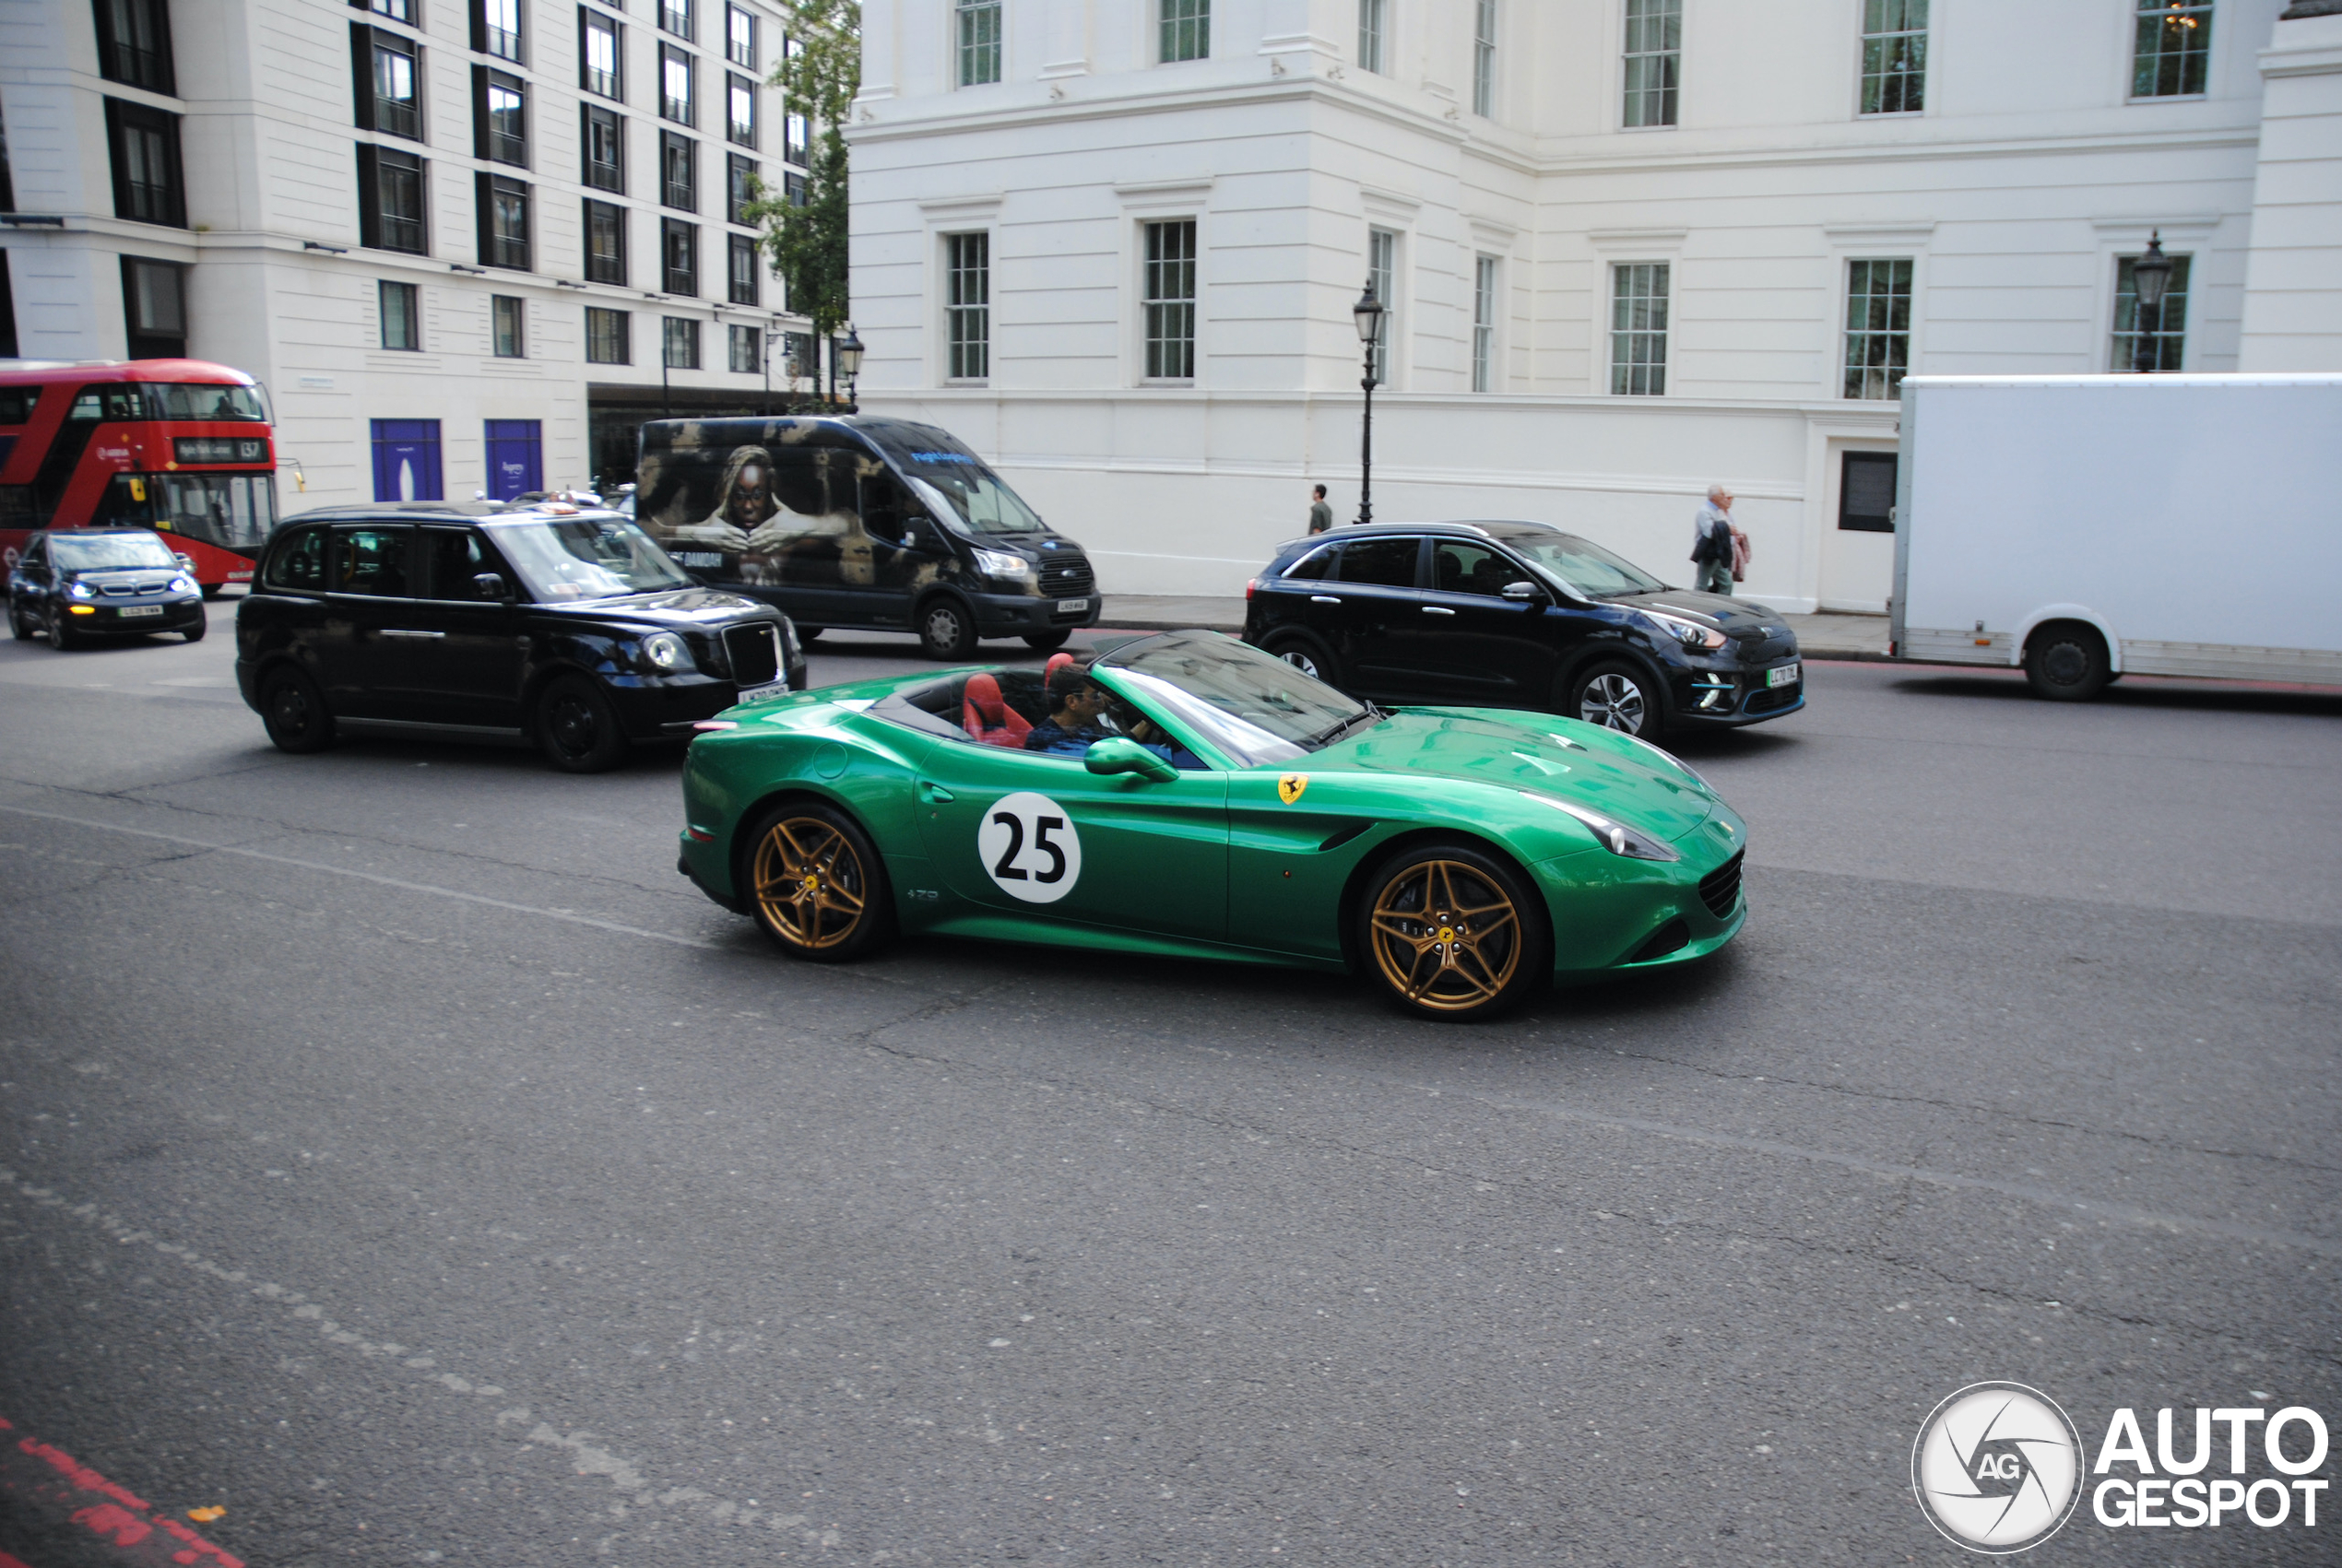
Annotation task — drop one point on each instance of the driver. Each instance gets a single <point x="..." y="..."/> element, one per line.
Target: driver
<point x="1083" y="712"/>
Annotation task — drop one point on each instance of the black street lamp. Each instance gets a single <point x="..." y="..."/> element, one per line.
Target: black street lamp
<point x="1368" y="314"/>
<point x="849" y="360"/>
<point x="2150" y="275"/>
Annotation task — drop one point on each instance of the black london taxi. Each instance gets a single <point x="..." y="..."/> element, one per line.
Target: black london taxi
<point x="74" y="583"/>
<point x="552" y="623"/>
<point x="863" y="521"/>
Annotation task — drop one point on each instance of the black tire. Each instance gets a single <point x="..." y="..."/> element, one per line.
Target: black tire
<point x="1618" y="696"/>
<point x="61" y="637"/>
<point x="808" y="635"/>
<point x="2066" y="661"/>
<point x="294" y="711"/>
<point x="814" y="882"/>
<point x="17" y="627"/>
<point x="213" y="592"/>
<point x="947" y="630"/>
<point x="1307" y="654"/>
<point x="195" y="633"/>
<point x="576" y="728"/>
<point x="1451" y="932"/>
<point x="1046" y="642"/>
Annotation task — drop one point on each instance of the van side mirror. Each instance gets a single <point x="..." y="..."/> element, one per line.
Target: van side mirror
<point x="1524" y="593"/>
<point x="490" y="585"/>
<point x="1119" y="754"/>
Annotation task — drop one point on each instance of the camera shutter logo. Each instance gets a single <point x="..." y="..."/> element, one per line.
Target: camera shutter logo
<point x="1997" y="1468"/>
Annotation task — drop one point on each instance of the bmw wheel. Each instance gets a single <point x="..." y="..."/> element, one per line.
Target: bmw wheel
<point x="61" y="637"/>
<point x="294" y="711"/>
<point x="576" y="728"/>
<point x="1454" y="934"/>
<point x="1619" y="697"/>
<point x="17" y="627"/>
<point x="946" y="631"/>
<point x="816" y="884"/>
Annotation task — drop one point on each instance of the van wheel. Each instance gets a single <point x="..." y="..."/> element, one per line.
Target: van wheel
<point x="1047" y="641"/>
<point x="1306" y="654"/>
<point x="1620" y="697"/>
<point x="2066" y="662"/>
<point x="578" y="729"/>
<point x="946" y="631"/>
<point x="293" y="710"/>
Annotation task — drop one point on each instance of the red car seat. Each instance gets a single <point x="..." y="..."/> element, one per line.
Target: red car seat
<point x="1057" y="662"/>
<point x="988" y="719"/>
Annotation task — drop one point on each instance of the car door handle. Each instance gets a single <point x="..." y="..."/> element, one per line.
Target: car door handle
<point x="392" y="631"/>
<point x="1323" y="600"/>
<point x="935" y="794"/>
<point x="1436" y="609"/>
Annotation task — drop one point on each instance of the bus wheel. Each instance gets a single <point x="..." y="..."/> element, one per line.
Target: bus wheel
<point x="294" y="711"/>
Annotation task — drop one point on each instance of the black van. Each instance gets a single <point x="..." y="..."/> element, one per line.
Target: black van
<point x="861" y="522"/>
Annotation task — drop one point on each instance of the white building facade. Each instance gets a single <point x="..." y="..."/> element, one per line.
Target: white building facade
<point x="468" y="246"/>
<point x="1629" y="247"/>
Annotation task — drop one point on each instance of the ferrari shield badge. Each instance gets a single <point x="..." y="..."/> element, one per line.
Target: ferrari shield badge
<point x="1290" y="785"/>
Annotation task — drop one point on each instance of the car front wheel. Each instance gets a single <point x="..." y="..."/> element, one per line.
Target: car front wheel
<point x="18" y="626"/>
<point x="1454" y="934"/>
<point x="578" y="729"/>
<point x="816" y="884"/>
<point x="61" y="637"/>
<point x="294" y="711"/>
<point x="946" y="631"/>
<point x="1620" y="697"/>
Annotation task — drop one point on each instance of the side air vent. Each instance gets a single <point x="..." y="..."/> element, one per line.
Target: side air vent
<point x="1664" y="941"/>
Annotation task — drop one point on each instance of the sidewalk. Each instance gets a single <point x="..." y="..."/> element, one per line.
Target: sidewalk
<point x="1819" y="636"/>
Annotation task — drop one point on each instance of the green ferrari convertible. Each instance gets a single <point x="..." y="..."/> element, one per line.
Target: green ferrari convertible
<point x="1188" y="795"/>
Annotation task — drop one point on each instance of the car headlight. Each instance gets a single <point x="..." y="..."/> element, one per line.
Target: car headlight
<point x="1000" y="563"/>
<point x="81" y="591"/>
<point x="1616" y="837"/>
<point x="666" y="652"/>
<point x="1690" y="634"/>
<point x="181" y="585"/>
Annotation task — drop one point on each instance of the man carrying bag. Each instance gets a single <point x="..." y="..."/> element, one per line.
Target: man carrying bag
<point x="1711" y="545"/>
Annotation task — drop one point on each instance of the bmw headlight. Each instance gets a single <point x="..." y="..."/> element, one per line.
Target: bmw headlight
<point x="81" y="591"/>
<point x="1615" y="836"/>
<point x="181" y="585"/>
<point x="664" y="652"/>
<point x="1690" y="634"/>
<point x="1000" y="563"/>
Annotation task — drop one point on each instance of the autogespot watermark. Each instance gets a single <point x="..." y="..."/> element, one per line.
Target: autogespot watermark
<point x="1998" y="1467"/>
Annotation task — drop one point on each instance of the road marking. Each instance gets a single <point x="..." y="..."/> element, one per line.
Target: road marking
<point x="49" y="1481"/>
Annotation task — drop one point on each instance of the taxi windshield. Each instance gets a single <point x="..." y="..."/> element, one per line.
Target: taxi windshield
<point x="1255" y="708"/>
<point x="1584" y="568"/>
<point x="587" y="558"/>
<point x="109" y="552"/>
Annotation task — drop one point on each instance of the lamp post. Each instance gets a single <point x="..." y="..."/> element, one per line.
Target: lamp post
<point x="1368" y="314"/>
<point x="850" y="360"/>
<point x="2150" y="275"/>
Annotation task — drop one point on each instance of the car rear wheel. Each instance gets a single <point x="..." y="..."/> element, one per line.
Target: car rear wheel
<point x="1306" y="654"/>
<point x="946" y="630"/>
<point x="1452" y="933"/>
<point x="816" y="885"/>
<point x="1620" y="697"/>
<point x="61" y="637"/>
<point x="2066" y="662"/>
<point x="578" y="729"/>
<point x="18" y="626"/>
<point x="294" y="711"/>
<point x="1046" y="642"/>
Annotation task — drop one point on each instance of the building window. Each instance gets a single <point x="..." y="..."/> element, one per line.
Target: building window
<point x="739" y="37"/>
<point x="1170" y="300"/>
<point x="741" y="274"/>
<point x="1878" y="327"/>
<point x="601" y="58"/>
<point x="1639" y="329"/>
<point x="677" y="171"/>
<point x="609" y="340"/>
<point x="402" y="318"/>
<point x="134" y="44"/>
<point x="1371" y="19"/>
<point x="739" y="99"/>
<point x="406" y="468"/>
<point x="796" y="136"/>
<point x="496" y="29"/>
<point x="2174" y="46"/>
<point x="154" y="308"/>
<point x="1382" y="271"/>
<point x="397" y="10"/>
<point x="1655" y="59"/>
<point x="503" y="222"/>
<point x="678" y="253"/>
<point x="675" y="15"/>
<point x="1866" y="492"/>
<point x="682" y="342"/>
<point x="390" y="200"/>
<point x="748" y="350"/>
<point x="1483" y="59"/>
<point x="980" y="29"/>
<point x="515" y="457"/>
<point x="390" y="95"/>
<point x="145" y="144"/>
<point x="1185" y="26"/>
<point x="2166" y="341"/>
<point x="967" y="310"/>
<point x="1484" y="323"/>
<point x="508" y="324"/>
<point x="741" y="186"/>
<point x="604" y="242"/>
<point x="676" y="86"/>
<point x="1894" y="56"/>
<point x="605" y="150"/>
<point x="501" y="103"/>
<point x="793" y="189"/>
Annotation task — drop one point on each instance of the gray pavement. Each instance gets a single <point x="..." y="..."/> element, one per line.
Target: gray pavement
<point x="399" y="1155"/>
<point x="1831" y="636"/>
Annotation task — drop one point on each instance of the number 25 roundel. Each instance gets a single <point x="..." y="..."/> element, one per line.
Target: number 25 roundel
<point x="1029" y="847"/>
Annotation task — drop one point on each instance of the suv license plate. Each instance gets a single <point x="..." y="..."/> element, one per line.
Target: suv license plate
<point x="139" y="609"/>
<point x="1072" y="606"/>
<point x="1788" y="675"/>
<point x="764" y="693"/>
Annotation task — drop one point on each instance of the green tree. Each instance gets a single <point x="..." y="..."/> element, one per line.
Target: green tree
<point x="817" y="77"/>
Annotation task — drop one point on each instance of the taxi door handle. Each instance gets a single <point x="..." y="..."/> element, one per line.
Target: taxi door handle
<point x="935" y="794"/>
<point x="389" y="631"/>
<point x="1436" y="609"/>
<point x="1323" y="600"/>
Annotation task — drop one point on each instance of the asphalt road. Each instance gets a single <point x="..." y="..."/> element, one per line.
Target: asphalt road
<point x="401" y="1156"/>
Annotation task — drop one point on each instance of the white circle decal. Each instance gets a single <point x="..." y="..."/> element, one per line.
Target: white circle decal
<point x="1997" y="1468"/>
<point x="1029" y="847"/>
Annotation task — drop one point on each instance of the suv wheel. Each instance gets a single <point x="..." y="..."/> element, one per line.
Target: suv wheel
<point x="1306" y="654"/>
<point x="946" y="631"/>
<point x="1619" y="697"/>
<point x="578" y="729"/>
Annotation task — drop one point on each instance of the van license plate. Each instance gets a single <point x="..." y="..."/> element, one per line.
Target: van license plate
<point x="1788" y="675"/>
<point x="1072" y="606"/>
<point x="139" y="609"/>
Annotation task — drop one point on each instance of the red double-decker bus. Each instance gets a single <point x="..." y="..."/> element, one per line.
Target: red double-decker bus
<point x="177" y="446"/>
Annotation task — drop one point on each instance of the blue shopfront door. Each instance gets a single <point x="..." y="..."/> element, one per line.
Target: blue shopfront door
<point x="406" y="460"/>
<point x="516" y="458"/>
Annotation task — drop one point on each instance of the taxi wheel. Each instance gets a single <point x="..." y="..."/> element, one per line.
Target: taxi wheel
<point x="946" y="631"/>
<point x="1619" y="697"/>
<point x="578" y="729"/>
<point x="1306" y="654"/>
<point x="1451" y="933"/>
<point x="816" y="884"/>
<point x="294" y="711"/>
<point x="807" y="635"/>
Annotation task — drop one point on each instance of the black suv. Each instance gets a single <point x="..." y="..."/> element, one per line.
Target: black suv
<point x="1518" y="615"/>
<point x="568" y="626"/>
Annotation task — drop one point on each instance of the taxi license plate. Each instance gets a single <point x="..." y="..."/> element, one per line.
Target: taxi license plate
<point x="1788" y="675"/>
<point x="139" y="609"/>
<point x="764" y="693"/>
<point x="1072" y="606"/>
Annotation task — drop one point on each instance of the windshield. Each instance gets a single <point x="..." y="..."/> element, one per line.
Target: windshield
<point x="1238" y="700"/>
<point x="955" y="482"/>
<point x="1587" y="570"/>
<point x="105" y="552"/>
<point x="587" y="558"/>
<point x="234" y="511"/>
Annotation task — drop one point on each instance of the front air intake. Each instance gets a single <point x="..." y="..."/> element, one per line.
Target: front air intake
<point x="755" y="653"/>
<point x="1719" y="890"/>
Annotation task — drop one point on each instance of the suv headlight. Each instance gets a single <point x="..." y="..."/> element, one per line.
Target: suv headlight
<point x="1616" y="837"/>
<point x="1000" y="563"/>
<point x="1690" y="634"/>
<point x="664" y="652"/>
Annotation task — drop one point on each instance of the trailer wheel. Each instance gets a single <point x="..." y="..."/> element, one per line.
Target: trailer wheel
<point x="2066" y="661"/>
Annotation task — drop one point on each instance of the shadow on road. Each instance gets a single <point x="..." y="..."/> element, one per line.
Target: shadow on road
<point x="2144" y="693"/>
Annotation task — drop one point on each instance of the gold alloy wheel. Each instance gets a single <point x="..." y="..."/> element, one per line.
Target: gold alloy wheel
<point x="1447" y="935"/>
<point x="810" y="884"/>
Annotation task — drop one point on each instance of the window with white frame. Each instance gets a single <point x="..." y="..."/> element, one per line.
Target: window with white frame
<point x="499" y="30"/>
<point x="1167" y="297"/>
<point x="1894" y="56"/>
<point x="1638" y="328"/>
<point x="1483" y="59"/>
<point x="967" y="306"/>
<point x="1878" y="327"/>
<point x="2173" y="47"/>
<point x="978" y="24"/>
<point x="2165" y="338"/>
<point x="1484" y="323"/>
<point x="739" y="37"/>
<point x="608" y="340"/>
<point x="1382" y="273"/>
<point x="1373" y="17"/>
<point x="1654" y="51"/>
<point x="1186" y="28"/>
<point x="748" y="350"/>
<point x="508" y="316"/>
<point x="680" y="340"/>
<point x="602" y="56"/>
<point x="676" y="86"/>
<point x="402" y="320"/>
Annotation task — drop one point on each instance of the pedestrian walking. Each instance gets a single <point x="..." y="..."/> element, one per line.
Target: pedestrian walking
<point x="1320" y="514"/>
<point x="1712" y="544"/>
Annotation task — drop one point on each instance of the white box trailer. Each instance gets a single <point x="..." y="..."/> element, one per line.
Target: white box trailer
<point x="2086" y="527"/>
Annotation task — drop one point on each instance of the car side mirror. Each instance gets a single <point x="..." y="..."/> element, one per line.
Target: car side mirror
<point x="490" y="585"/>
<point x="186" y="562"/>
<point x="1119" y="754"/>
<point x="1524" y="593"/>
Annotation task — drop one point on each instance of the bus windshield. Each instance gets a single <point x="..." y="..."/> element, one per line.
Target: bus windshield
<point x="232" y="511"/>
<point x="108" y="552"/>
